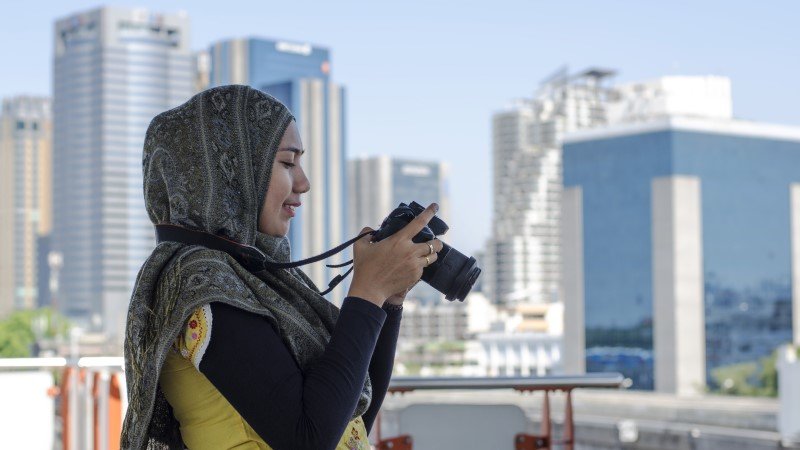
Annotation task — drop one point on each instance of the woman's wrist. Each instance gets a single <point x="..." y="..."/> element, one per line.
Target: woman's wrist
<point x="369" y="294"/>
<point x="392" y="306"/>
<point x="394" y="300"/>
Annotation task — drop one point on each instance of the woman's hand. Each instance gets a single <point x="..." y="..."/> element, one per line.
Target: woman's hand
<point x="393" y="265"/>
<point x="399" y="297"/>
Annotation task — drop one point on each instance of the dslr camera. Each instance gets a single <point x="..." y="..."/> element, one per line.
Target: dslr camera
<point x="453" y="273"/>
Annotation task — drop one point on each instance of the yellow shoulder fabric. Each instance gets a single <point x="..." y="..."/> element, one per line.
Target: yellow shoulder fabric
<point x="195" y="338"/>
<point x="207" y="420"/>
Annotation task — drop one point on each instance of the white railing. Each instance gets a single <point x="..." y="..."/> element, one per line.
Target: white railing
<point x="92" y="402"/>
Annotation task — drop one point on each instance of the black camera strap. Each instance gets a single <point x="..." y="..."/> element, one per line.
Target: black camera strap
<point x="251" y="258"/>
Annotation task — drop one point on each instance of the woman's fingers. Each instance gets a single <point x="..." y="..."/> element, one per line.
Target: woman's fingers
<point x="427" y="260"/>
<point x="419" y="222"/>
<point x="424" y="248"/>
<point x="366" y="239"/>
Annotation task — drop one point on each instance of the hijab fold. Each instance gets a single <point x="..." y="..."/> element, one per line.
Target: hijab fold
<point x="207" y="165"/>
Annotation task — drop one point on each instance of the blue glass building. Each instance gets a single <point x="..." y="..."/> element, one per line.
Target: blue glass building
<point x="298" y="74"/>
<point x="678" y="247"/>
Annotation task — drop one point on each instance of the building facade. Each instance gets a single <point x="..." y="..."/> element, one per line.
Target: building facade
<point x="298" y="74"/>
<point x="114" y="70"/>
<point x="25" y="199"/>
<point x="519" y="354"/>
<point x="681" y="239"/>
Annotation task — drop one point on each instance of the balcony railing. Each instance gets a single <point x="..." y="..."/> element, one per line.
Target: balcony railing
<point x="91" y="402"/>
<point x="544" y="440"/>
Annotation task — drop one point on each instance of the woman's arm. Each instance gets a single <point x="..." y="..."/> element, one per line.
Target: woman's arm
<point x="380" y="368"/>
<point x="248" y="363"/>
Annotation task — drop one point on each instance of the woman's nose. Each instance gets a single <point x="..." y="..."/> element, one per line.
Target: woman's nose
<point x="301" y="184"/>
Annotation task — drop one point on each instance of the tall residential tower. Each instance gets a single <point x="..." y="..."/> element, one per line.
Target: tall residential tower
<point x="25" y="198"/>
<point x="522" y="256"/>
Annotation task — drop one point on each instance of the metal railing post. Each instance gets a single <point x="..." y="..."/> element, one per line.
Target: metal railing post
<point x="115" y="410"/>
<point x="569" y="423"/>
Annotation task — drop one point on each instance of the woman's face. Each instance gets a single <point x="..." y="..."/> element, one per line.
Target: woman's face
<point x="286" y="184"/>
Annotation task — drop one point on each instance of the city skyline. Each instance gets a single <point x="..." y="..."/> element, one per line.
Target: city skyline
<point x="637" y="228"/>
<point x="389" y="73"/>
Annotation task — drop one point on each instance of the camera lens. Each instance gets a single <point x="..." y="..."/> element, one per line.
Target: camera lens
<point x="453" y="273"/>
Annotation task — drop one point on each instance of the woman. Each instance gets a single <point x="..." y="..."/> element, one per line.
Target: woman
<point x="219" y="356"/>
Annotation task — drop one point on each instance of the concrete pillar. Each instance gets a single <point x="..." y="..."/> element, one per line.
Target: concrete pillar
<point x="788" y="395"/>
<point x="572" y="283"/>
<point x="678" y="292"/>
<point x="794" y="195"/>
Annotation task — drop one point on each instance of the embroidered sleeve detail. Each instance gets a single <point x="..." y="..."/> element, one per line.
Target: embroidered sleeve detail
<point x="196" y="336"/>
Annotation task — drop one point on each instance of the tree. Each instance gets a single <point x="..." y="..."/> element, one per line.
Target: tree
<point x="22" y="329"/>
<point x="750" y="379"/>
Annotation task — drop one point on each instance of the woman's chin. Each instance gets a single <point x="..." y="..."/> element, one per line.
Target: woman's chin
<point x="277" y="230"/>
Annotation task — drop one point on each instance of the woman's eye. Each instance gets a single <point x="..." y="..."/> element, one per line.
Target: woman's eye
<point x="288" y="164"/>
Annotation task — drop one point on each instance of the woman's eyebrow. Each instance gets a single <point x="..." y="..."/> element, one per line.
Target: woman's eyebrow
<point x="292" y="149"/>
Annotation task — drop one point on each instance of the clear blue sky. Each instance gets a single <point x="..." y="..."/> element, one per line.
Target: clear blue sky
<point x="424" y="77"/>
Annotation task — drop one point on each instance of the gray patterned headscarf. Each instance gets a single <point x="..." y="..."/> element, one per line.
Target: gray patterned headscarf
<point x="207" y="165"/>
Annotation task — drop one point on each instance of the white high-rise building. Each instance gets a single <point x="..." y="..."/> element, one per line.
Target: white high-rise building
<point x="523" y="255"/>
<point x="25" y="197"/>
<point x="672" y="96"/>
<point x="114" y="70"/>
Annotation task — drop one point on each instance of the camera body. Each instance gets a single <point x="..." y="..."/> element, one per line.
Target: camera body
<point x="453" y="273"/>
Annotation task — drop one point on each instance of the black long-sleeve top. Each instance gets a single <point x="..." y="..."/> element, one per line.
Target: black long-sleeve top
<point x="247" y="361"/>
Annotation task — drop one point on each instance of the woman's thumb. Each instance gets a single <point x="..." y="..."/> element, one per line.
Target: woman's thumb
<point x="365" y="239"/>
<point x="366" y="230"/>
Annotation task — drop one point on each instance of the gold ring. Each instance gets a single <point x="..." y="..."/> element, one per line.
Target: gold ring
<point x="431" y="247"/>
<point x="428" y="261"/>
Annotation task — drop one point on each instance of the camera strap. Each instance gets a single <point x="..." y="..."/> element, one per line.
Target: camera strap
<point x="251" y="258"/>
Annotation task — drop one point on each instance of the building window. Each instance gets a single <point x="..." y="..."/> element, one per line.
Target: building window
<point x="20" y="125"/>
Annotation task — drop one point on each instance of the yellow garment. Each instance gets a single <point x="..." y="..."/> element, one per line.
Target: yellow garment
<point x="207" y="420"/>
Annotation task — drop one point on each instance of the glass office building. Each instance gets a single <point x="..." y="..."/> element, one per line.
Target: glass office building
<point x="298" y="74"/>
<point x="679" y="238"/>
<point x="114" y="70"/>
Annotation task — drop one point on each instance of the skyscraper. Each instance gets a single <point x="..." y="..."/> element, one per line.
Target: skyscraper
<point x="681" y="238"/>
<point x="298" y="74"/>
<point x="522" y="256"/>
<point x="114" y="70"/>
<point x="378" y="184"/>
<point x="25" y="198"/>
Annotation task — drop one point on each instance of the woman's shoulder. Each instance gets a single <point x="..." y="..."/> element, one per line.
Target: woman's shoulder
<point x="204" y="275"/>
<point x="196" y="335"/>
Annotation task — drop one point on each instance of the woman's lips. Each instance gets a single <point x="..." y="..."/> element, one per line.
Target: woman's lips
<point x="289" y="208"/>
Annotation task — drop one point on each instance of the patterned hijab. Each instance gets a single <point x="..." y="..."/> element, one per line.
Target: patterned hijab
<point x="207" y="165"/>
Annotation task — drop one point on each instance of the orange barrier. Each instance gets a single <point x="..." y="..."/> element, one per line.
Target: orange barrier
<point x="66" y="398"/>
<point x="91" y="408"/>
<point x="115" y="409"/>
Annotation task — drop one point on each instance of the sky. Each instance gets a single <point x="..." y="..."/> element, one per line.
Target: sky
<point x="423" y="78"/>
